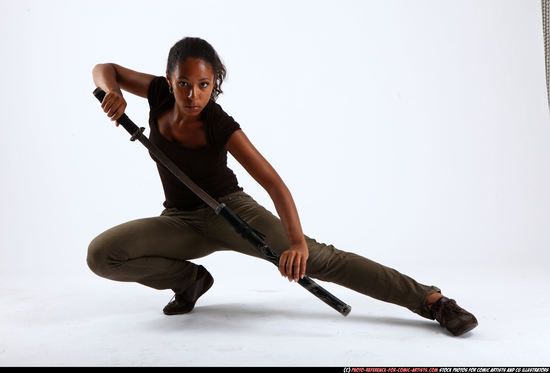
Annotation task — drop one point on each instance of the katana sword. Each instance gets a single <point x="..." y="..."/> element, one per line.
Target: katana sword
<point x="255" y="238"/>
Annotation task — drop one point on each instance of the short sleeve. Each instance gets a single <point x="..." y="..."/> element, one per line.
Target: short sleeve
<point x="220" y="126"/>
<point x="158" y="95"/>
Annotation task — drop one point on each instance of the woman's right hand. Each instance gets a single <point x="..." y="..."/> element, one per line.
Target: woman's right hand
<point x="114" y="105"/>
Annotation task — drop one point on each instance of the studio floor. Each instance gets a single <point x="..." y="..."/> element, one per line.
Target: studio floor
<point x="257" y="318"/>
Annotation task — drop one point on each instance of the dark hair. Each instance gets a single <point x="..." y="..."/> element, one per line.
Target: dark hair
<point x="197" y="48"/>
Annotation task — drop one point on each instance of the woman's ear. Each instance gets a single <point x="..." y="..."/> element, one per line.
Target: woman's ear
<point x="169" y="85"/>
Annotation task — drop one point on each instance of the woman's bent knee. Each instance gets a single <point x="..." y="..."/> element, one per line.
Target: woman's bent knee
<point x="97" y="258"/>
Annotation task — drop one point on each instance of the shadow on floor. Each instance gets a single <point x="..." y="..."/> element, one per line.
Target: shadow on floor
<point x="249" y="317"/>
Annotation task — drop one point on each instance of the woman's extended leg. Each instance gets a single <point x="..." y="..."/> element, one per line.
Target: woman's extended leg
<point x="353" y="271"/>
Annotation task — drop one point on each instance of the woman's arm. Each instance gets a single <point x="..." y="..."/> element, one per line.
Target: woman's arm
<point x="292" y="263"/>
<point x="112" y="78"/>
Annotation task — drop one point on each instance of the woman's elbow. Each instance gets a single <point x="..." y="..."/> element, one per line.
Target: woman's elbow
<point x="276" y="188"/>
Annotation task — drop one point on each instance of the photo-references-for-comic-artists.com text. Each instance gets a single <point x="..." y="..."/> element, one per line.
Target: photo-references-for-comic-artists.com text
<point x="448" y="370"/>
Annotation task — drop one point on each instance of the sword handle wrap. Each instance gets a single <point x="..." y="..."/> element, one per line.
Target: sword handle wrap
<point x="126" y="122"/>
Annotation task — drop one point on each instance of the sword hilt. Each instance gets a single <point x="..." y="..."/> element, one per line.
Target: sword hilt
<point x="126" y="122"/>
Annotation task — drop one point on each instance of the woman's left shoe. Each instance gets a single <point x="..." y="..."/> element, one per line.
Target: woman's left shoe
<point x="456" y="319"/>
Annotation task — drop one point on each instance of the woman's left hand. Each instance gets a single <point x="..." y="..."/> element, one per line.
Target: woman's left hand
<point x="292" y="263"/>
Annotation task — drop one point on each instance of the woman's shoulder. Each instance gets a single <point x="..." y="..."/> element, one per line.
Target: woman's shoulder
<point x="158" y="95"/>
<point x="220" y="125"/>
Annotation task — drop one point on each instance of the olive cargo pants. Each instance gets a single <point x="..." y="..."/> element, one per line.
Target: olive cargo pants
<point x="156" y="252"/>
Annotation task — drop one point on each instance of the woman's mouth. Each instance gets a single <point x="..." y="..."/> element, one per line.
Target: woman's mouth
<point x="192" y="107"/>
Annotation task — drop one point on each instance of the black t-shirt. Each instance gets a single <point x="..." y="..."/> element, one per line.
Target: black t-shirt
<point x="207" y="165"/>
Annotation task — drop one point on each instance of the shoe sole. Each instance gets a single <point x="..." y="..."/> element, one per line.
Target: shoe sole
<point x="465" y="330"/>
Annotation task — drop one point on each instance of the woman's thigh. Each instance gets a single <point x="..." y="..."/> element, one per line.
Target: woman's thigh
<point x="161" y="236"/>
<point x="256" y="216"/>
<point x="324" y="261"/>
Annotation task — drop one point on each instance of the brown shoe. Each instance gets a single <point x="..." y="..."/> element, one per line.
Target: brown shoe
<point x="456" y="319"/>
<point x="184" y="302"/>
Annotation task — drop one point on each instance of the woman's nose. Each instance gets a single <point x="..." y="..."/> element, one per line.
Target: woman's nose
<point x="192" y="92"/>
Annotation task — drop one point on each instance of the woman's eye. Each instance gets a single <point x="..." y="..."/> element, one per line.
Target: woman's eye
<point x="183" y="84"/>
<point x="204" y="84"/>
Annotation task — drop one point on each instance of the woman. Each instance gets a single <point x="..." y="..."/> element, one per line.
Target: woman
<point x="189" y="126"/>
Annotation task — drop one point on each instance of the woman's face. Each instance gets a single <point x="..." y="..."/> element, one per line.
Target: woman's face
<point x="192" y="81"/>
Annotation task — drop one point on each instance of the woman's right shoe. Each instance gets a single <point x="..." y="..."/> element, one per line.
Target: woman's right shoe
<point x="184" y="302"/>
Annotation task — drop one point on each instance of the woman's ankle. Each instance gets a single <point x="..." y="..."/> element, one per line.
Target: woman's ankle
<point x="432" y="298"/>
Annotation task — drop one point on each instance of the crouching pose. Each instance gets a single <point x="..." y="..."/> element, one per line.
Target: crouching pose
<point x="195" y="132"/>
